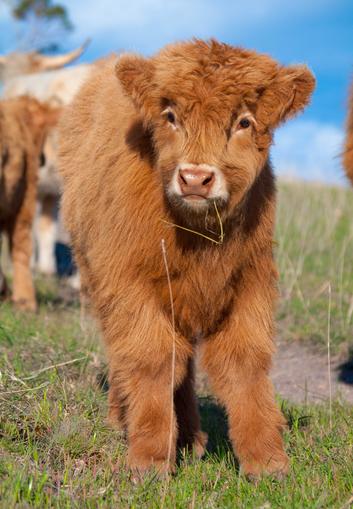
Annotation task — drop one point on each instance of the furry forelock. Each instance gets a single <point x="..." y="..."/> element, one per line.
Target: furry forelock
<point x="199" y="70"/>
<point x="216" y="77"/>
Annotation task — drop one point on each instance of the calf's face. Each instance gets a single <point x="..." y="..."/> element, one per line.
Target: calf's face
<point x="206" y="156"/>
<point x="211" y="109"/>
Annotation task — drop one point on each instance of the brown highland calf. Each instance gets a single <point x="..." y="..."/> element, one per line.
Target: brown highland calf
<point x="348" y="149"/>
<point x="23" y="126"/>
<point x="175" y="147"/>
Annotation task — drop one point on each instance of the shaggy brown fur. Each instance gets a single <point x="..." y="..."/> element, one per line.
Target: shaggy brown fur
<point x="23" y="125"/>
<point x="129" y="127"/>
<point x="348" y="149"/>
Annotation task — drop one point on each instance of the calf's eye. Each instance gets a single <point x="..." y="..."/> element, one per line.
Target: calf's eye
<point x="171" y="117"/>
<point x="244" y="123"/>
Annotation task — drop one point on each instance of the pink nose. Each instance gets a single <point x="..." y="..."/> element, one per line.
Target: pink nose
<point x="196" y="182"/>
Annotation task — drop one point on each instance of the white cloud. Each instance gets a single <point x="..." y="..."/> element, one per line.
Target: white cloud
<point x="148" y="24"/>
<point x="309" y="150"/>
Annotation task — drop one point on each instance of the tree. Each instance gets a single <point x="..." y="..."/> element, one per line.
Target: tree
<point x="42" y="22"/>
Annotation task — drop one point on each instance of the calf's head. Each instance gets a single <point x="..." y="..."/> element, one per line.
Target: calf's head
<point x="211" y="109"/>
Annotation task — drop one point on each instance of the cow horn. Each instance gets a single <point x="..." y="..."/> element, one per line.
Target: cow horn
<point x="57" y="61"/>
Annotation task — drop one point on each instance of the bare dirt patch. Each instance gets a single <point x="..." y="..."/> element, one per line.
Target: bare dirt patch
<point x="300" y="374"/>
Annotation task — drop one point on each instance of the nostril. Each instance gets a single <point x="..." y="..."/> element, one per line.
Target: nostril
<point x="42" y="160"/>
<point x="207" y="180"/>
<point x="182" y="178"/>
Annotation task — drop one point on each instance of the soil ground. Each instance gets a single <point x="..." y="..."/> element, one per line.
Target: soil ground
<point x="300" y="374"/>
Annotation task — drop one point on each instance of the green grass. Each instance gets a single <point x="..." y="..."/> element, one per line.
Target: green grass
<point x="56" y="450"/>
<point x="315" y="253"/>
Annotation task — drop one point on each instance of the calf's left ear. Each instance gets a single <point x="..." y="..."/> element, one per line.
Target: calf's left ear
<point x="287" y="95"/>
<point x="136" y="75"/>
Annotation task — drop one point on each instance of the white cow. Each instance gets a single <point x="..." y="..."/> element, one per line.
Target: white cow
<point x="44" y="78"/>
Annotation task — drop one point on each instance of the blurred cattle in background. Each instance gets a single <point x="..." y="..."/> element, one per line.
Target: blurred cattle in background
<point x="49" y="190"/>
<point x="24" y="123"/>
<point x="44" y="78"/>
<point x="18" y="64"/>
<point x="348" y="148"/>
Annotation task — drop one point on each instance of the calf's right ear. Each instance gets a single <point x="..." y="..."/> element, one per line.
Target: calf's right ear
<point x="288" y="94"/>
<point x="136" y="75"/>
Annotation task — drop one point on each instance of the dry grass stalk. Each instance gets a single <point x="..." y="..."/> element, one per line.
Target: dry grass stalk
<point x="329" y="353"/>
<point x="165" y="261"/>
<point x="54" y="366"/>
<point x="221" y="232"/>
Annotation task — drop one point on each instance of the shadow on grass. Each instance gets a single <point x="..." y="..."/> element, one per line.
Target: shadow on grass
<point x="214" y="423"/>
<point x="294" y="416"/>
<point x="345" y="371"/>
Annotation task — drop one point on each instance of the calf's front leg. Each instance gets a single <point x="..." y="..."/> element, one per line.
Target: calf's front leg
<point x="237" y="360"/>
<point x="141" y="398"/>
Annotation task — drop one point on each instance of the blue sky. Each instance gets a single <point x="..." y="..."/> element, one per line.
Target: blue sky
<point x="317" y="32"/>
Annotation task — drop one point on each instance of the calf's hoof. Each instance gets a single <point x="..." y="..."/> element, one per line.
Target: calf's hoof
<point x="141" y="469"/>
<point x="276" y="467"/>
<point x="26" y="305"/>
<point x="200" y="443"/>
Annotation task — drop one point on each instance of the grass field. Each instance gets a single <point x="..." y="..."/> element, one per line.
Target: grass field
<point x="315" y="253"/>
<point x="56" y="451"/>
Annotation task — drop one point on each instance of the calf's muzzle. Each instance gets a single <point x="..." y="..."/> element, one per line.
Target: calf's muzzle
<point x="195" y="182"/>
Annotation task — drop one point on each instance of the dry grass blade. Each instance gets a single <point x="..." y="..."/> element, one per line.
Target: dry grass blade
<point x="221" y="232"/>
<point x="329" y="353"/>
<point x="165" y="261"/>
<point x="348" y="504"/>
<point x="29" y="389"/>
<point x="54" y="366"/>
